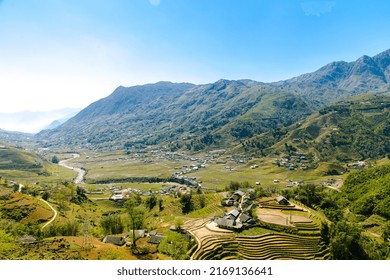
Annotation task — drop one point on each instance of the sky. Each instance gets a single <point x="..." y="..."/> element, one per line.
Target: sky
<point x="69" y="53"/>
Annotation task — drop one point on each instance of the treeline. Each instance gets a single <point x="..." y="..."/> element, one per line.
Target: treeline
<point x="142" y="180"/>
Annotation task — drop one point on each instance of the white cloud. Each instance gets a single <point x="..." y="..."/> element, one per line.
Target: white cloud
<point x="154" y="2"/>
<point x="317" y="8"/>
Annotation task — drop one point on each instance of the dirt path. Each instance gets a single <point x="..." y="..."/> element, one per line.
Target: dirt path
<point x="55" y="213"/>
<point x="80" y="172"/>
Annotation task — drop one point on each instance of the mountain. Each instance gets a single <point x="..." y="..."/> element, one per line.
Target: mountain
<point x="33" y="122"/>
<point x="339" y="80"/>
<point x="220" y="114"/>
<point x="351" y="130"/>
<point x="179" y="115"/>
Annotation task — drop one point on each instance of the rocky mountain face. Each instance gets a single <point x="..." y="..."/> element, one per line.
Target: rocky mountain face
<point x="220" y="114"/>
<point x="339" y="80"/>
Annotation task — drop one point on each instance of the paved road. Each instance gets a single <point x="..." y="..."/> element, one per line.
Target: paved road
<point x="55" y="213"/>
<point x="81" y="172"/>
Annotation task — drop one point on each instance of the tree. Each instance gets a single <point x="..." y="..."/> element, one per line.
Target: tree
<point x="233" y="186"/>
<point x="202" y="201"/>
<point x="186" y="202"/>
<point x="175" y="245"/>
<point x="345" y="242"/>
<point x="151" y="201"/>
<point x="325" y="232"/>
<point x="55" y="159"/>
<point x="112" y="224"/>
<point x="386" y="231"/>
<point x="160" y="205"/>
<point x="7" y="245"/>
<point x="45" y="195"/>
<point x="136" y="214"/>
<point x="179" y="224"/>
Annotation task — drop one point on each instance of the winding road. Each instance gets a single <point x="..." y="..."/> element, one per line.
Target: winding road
<point x="80" y="172"/>
<point x="55" y="213"/>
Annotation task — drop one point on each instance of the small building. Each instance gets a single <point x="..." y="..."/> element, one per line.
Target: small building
<point x="244" y="218"/>
<point x="139" y="233"/>
<point x="237" y="195"/>
<point x="281" y="200"/>
<point x="27" y="239"/>
<point x="117" y="197"/>
<point x="226" y="223"/>
<point x="155" y="239"/>
<point x="233" y="214"/>
<point x="116" y="240"/>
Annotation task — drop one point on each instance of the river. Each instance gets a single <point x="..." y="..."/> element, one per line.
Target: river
<point x="80" y="172"/>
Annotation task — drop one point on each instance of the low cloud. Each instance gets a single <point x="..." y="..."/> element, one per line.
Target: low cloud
<point x="317" y="8"/>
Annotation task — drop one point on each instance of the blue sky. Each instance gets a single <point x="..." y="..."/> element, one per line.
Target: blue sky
<point x="69" y="53"/>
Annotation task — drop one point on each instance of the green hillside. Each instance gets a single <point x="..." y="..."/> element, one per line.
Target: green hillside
<point x="356" y="129"/>
<point x="19" y="159"/>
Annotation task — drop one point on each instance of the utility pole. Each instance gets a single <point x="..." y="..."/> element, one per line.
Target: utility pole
<point x="87" y="238"/>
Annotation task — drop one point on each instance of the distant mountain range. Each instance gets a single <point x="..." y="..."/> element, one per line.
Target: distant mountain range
<point x="33" y="122"/>
<point x="221" y="114"/>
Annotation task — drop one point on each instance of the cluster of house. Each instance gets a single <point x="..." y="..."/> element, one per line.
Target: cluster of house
<point x="122" y="194"/>
<point x="239" y="217"/>
<point x="189" y="169"/>
<point x="153" y="237"/>
<point x="125" y="239"/>
<point x="299" y="160"/>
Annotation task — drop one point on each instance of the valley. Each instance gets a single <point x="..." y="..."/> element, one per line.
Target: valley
<point x="297" y="169"/>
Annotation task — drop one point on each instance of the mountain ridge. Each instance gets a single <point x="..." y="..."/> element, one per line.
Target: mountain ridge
<point x="224" y="112"/>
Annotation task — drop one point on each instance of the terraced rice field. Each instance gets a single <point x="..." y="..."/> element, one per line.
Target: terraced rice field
<point x="217" y="244"/>
<point x="268" y="246"/>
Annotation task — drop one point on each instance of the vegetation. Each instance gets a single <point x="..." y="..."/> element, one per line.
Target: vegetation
<point x="351" y="222"/>
<point x="357" y="129"/>
<point x="361" y="206"/>
<point x="136" y="215"/>
<point x="175" y="245"/>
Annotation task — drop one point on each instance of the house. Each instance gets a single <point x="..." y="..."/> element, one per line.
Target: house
<point x="227" y="202"/>
<point x="244" y="218"/>
<point x="227" y="223"/>
<point x="116" y="240"/>
<point x="233" y="214"/>
<point x="138" y="233"/>
<point x="27" y="239"/>
<point x="116" y="197"/>
<point x="155" y="239"/>
<point x="250" y="207"/>
<point x="237" y="195"/>
<point x="281" y="200"/>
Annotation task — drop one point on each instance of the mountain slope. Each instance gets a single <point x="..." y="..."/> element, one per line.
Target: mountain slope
<point x="355" y="129"/>
<point x="167" y="113"/>
<point x="18" y="159"/>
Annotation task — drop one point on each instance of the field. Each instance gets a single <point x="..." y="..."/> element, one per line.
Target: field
<point x="214" y="176"/>
<point x="281" y="232"/>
